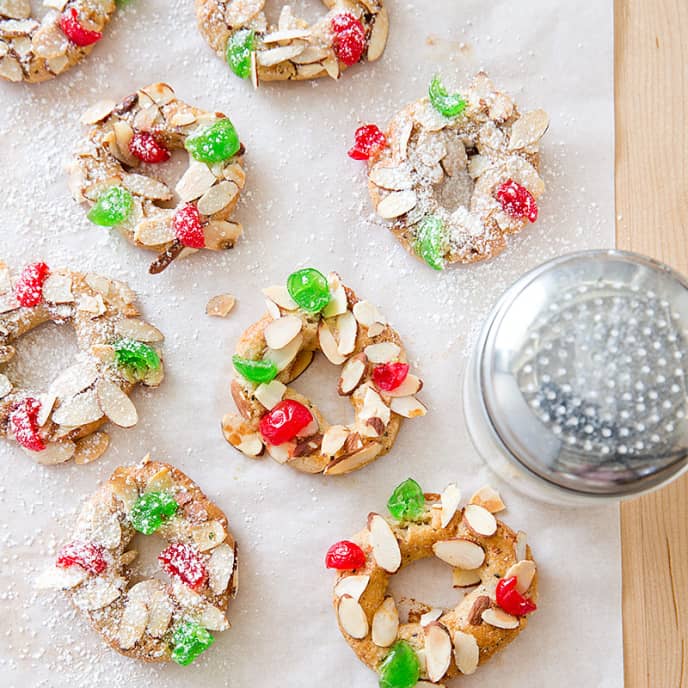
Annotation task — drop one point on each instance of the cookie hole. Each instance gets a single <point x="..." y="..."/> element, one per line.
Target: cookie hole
<point x="41" y="355"/>
<point x="146" y="563"/>
<point x="429" y="582"/>
<point x="319" y="384"/>
<point x="169" y="172"/>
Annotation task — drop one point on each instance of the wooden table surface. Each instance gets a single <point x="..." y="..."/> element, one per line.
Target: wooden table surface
<point x="651" y="58"/>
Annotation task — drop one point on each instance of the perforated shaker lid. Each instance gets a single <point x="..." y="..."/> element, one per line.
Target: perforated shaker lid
<point x="582" y="368"/>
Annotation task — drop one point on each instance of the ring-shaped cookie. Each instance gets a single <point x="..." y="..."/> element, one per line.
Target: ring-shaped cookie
<point x="153" y="620"/>
<point x="109" y="174"/>
<point x="293" y="50"/>
<point x="433" y="644"/>
<point x="117" y="351"/>
<point x="275" y="350"/>
<point x="452" y="187"/>
<point x="32" y="50"/>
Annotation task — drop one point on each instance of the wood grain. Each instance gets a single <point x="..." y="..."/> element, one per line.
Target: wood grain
<point x="651" y="58"/>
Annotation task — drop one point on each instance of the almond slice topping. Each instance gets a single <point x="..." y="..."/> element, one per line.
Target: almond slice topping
<point x="328" y="344"/>
<point x="410" y="386"/>
<point x="280" y="295"/>
<point x="333" y="439"/>
<point x="460" y="553"/>
<point x="283" y="357"/>
<point x="520" y="545"/>
<point x="352" y="618"/>
<point x="450" y="499"/>
<point x="347" y="328"/>
<point x="408" y="407"/>
<point x="438" y="651"/>
<point x="479" y="520"/>
<point x="488" y="498"/>
<point x="385" y="623"/>
<point x="427" y="618"/>
<point x="466" y="652"/>
<point x="384" y="543"/>
<point x="353" y="586"/>
<point x="116" y="404"/>
<point x="220" y="568"/>
<point x="384" y="352"/>
<point x="500" y="619"/>
<point x="524" y="571"/>
<point x="271" y="393"/>
<point x="352" y="372"/>
<point x="462" y="578"/>
<point x="282" y="331"/>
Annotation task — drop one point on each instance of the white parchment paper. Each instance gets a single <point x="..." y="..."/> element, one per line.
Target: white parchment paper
<point x="307" y="205"/>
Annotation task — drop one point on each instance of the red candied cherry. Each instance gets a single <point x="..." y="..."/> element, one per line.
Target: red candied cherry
<point x="89" y="556"/>
<point x="146" y="147"/>
<point x="368" y="140"/>
<point x="516" y="200"/>
<point x="511" y="600"/>
<point x="349" y="38"/>
<point x="29" y="287"/>
<point x="23" y="421"/>
<point x="284" y="421"/>
<point x="184" y="562"/>
<point x="187" y="226"/>
<point x="69" y="23"/>
<point x="388" y="376"/>
<point x="345" y="555"/>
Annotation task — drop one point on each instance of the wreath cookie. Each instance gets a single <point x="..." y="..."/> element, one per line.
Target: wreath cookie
<point x="118" y="350"/>
<point x="454" y="175"/>
<point x="108" y="175"/>
<point x="313" y="313"/>
<point x="153" y="620"/>
<point x="351" y="31"/>
<point x="433" y="644"/>
<point x="32" y="50"/>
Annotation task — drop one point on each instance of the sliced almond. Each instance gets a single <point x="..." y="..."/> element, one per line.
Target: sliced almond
<point x="408" y="407"/>
<point x="58" y="289"/>
<point x="488" y="498"/>
<point x="208" y="535"/>
<point x="283" y="357"/>
<point x="392" y="178"/>
<point x="133" y="328"/>
<point x="479" y="520"/>
<point x="373" y="406"/>
<point x="282" y="331"/>
<point x="116" y="404"/>
<point x="197" y="179"/>
<point x="56" y="578"/>
<point x="220" y="235"/>
<point x="353" y="586"/>
<point x="213" y="619"/>
<point x="146" y="186"/>
<point x="91" y="447"/>
<point x="385" y="626"/>
<point x="271" y="393"/>
<point x="480" y="604"/>
<point x="384" y="543"/>
<point x="528" y="129"/>
<point x="74" y="379"/>
<point x="383" y="352"/>
<point x="328" y="344"/>
<point x="281" y="452"/>
<point x="133" y="624"/>
<point x="500" y="619"/>
<point x="396" y="204"/>
<point x="5" y="386"/>
<point x="460" y="553"/>
<point x="462" y="578"/>
<point x="220" y="306"/>
<point x="338" y="302"/>
<point x="217" y="197"/>
<point x="160" y="481"/>
<point x="269" y="58"/>
<point x="333" y="439"/>
<point x="466" y="652"/>
<point x="410" y="386"/>
<point x="352" y="618"/>
<point x="97" y="592"/>
<point x="155" y="230"/>
<point x="353" y="461"/>
<point x="520" y="545"/>
<point x="378" y="35"/>
<point x="427" y="618"/>
<point x="220" y="568"/>
<point x="280" y="295"/>
<point x="352" y="372"/>
<point x="159" y="614"/>
<point x="524" y="571"/>
<point x="347" y="327"/>
<point x="367" y="314"/>
<point x="54" y="453"/>
<point x="286" y="35"/>
<point x="438" y="651"/>
<point x="450" y="499"/>
<point x="98" y="112"/>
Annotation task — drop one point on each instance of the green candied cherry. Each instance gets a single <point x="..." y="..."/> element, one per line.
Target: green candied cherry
<point x="407" y="502"/>
<point x="430" y="240"/>
<point x="138" y="358"/>
<point x="239" y="48"/>
<point x="255" y="371"/>
<point x="151" y="510"/>
<point x="309" y="288"/>
<point x="216" y="143"/>
<point x="447" y="104"/>
<point x="400" y="668"/>
<point x="189" y="641"/>
<point x="112" y="208"/>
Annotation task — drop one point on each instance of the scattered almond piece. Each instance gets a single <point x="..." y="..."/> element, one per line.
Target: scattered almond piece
<point x="220" y="306"/>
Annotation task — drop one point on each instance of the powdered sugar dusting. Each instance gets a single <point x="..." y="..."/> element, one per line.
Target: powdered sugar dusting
<point x="305" y="203"/>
